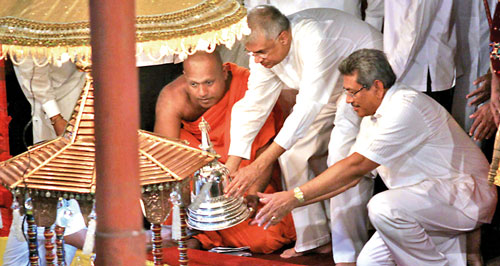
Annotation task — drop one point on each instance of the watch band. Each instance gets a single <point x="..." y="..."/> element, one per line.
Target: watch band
<point x="298" y="194"/>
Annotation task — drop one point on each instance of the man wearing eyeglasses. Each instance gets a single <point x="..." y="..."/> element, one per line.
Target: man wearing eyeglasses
<point x="302" y="52"/>
<point x="436" y="175"/>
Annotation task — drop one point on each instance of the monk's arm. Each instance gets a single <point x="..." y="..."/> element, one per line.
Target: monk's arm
<point x="168" y="118"/>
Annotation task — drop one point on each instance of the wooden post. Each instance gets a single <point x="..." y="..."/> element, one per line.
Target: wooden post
<point x="119" y="234"/>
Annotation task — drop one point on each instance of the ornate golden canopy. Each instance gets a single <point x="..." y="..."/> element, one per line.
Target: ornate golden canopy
<point x="59" y="30"/>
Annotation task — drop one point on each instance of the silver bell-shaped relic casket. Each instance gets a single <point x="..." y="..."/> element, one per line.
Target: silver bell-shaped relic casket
<point x="210" y="210"/>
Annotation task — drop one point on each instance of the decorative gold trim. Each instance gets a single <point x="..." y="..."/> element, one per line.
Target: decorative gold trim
<point x="209" y="16"/>
<point x="184" y="44"/>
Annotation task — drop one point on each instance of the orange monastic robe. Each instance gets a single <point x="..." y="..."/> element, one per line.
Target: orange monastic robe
<point x="219" y="119"/>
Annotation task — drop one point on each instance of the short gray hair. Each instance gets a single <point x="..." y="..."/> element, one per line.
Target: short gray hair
<point x="267" y="20"/>
<point x="371" y="65"/>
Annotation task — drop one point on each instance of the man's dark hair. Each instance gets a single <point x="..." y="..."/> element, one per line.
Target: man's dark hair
<point x="371" y="65"/>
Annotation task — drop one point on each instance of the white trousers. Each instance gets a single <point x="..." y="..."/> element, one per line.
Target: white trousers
<point x="311" y="221"/>
<point x="416" y="226"/>
<point x="348" y="210"/>
<point x="349" y="221"/>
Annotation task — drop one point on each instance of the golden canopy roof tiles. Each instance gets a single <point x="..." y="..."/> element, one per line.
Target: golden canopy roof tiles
<point x="68" y="162"/>
<point x="159" y="155"/>
<point x="51" y="31"/>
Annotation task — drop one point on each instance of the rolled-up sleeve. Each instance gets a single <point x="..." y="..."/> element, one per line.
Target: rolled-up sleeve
<point x="395" y="134"/>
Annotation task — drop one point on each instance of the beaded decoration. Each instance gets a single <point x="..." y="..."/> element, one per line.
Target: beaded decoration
<point x="49" y="246"/>
<point x="60" y="245"/>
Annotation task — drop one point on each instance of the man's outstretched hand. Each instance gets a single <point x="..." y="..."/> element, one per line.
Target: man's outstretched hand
<point x="276" y="206"/>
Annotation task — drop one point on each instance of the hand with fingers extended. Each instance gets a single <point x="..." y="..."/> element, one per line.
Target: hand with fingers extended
<point x="483" y="92"/>
<point x="242" y="180"/>
<point x="276" y="206"/>
<point x="495" y="99"/>
<point x="484" y="125"/>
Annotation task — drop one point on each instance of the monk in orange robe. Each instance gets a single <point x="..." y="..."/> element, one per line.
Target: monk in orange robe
<point x="209" y="88"/>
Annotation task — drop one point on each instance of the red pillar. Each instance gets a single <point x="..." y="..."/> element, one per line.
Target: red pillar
<point x="4" y="117"/>
<point x="5" y="195"/>
<point x="119" y="237"/>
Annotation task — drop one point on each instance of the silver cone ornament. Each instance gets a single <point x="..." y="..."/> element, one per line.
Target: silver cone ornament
<point x="210" y="210"/>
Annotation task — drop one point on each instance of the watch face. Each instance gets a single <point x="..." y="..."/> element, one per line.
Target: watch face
<point x="298" y="194"/>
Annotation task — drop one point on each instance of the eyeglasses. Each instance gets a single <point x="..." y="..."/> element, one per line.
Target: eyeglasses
<point x="262" y="55"/>
<point x="353" y="94"/>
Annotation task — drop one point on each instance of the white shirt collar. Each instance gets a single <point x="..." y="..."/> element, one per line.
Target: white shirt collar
<point x="384" y="106"/>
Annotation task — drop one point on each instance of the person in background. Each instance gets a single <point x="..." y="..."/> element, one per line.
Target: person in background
<point x="420" y="48"/>
<point x="17" y="251"/>
<point x="52" y="90"/>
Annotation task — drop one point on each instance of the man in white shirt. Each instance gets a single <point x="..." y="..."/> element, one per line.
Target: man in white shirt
<point x="301" y="52"/>
<point x="374" y="13"/>
<point x="420" y="43"/>
<point x="436" y="175"/>
<point x="17" y="252"/>
<point x="52" y="92"/>
<point x="472" y="61"/>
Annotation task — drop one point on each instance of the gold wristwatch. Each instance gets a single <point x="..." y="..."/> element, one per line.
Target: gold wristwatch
<point x="298" y="194"/>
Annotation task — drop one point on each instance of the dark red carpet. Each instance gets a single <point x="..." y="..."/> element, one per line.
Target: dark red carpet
<point x="199" y="257"/>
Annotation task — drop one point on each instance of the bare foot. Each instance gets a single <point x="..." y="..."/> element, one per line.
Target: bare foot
<point x="290" y="253"/>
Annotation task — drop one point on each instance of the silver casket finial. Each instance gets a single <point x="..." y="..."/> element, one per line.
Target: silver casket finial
<point x="210" y="210"/>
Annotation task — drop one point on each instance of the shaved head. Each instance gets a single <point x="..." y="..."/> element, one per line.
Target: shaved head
<point x="206" y="78"/>
<point x="209" y="60"/>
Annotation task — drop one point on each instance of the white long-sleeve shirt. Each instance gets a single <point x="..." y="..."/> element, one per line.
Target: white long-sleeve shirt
<point x="322" y="38"/>
<point x="17" y="252"/>
<point x="50" y="90"/>
<point x="420" y="38"/>
<point x="472" y="57"/>
<point x="374" y="10"/>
